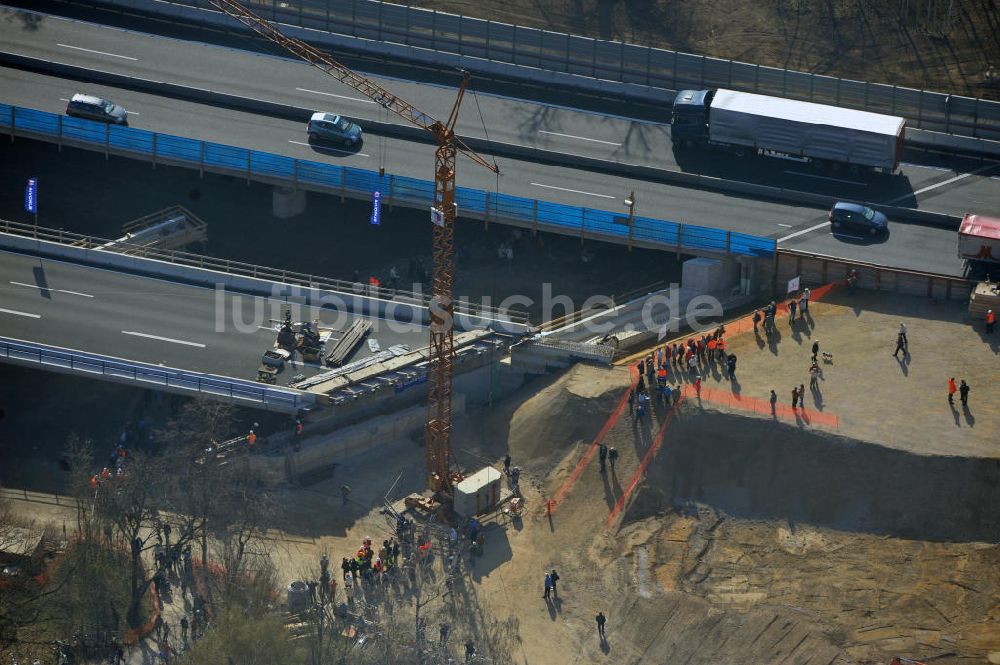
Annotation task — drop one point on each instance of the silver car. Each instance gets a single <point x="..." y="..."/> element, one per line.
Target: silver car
<point x="96" y="108"/>
<point x="330" y="127"/>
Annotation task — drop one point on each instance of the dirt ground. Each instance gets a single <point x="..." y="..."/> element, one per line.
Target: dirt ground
<point x="924" y="44"/>
<point x="748" y="538"/>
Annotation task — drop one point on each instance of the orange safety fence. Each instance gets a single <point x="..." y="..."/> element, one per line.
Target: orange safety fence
<point x="784" y="411"/>
<point x="646" y="459"/>
<point x="588" y="455"/>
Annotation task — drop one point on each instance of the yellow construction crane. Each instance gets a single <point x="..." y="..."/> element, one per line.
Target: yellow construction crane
<point x="442" y="324"/>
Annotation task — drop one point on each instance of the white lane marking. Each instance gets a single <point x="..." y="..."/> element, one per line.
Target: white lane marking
<point x="17" y="313"/>
<point x="575" y="191"/>
<point x="323" y="147"/>
<point x="330" y="94"/>
<point x="787" y="226"/>
<point x="823" y="177"/>
<point x="580" y="138"/>
<point x="803" y="231"/>
<point x="942" y="183"/>
<point x="90" y="50"/>
<point x="925" y="166"/>
<point x="163" y="339"/>
<point x="45" y="288"/>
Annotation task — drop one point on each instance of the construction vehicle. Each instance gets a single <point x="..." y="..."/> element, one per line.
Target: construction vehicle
<point x="747" y="123"/>
<point x="441" y="478"/>
<point x="305" y="338"/>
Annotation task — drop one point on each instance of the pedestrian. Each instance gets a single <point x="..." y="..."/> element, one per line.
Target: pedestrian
<point x="166" y="632"/>
<point x="852" y="281"/>
<point x="697" y="385"/>
<point x="756" y="319"/>
<point x="902" y="333"/>
<point x="952" y="389"/>
<point x="643" y="401"/>
<point x="791" y="310"/>
<point x="802" y="395"/>
<point x="555" y="578"/>
<point x="815" y="349"/>
<point x="613" y="456"/>
<point x="693" y="365"/>
<point x="659" y="357"/>
<point x="712" y="343"/>
<point x="991" y="320"/>
<point x="602" y="453"/>
<point x="166" y="532"/>
<point x="299" y="430"/>
<point x="900" y="345"/>
<point x="345" y="492"/>
<point x="470" y="651"/>
<point x="963" y="391"/>
<point x="312" y="584"/>
<point x="804" y="301"/>
<point x="506" y="464"/>
<point x="731" y="365"/>
<point x="601" y="620"/>
<point x="548" y="587"/>
<point x="443" y="633"/>
<point x="774" y="402"/>
<point x="184" y="628"/>
<point x="642" y="368"/>
<point x="814" y="376"/>
<point x="795" y="397"/>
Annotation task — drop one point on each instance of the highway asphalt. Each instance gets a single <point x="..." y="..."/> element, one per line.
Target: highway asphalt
<point x="156" y="321"/>
<point x="927" y="185"/>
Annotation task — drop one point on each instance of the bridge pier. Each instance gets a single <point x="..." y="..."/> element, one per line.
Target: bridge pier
<point x="287" y="202"/>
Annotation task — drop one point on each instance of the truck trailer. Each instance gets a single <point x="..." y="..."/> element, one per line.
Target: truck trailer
<point x="743" y="123"/>
<point x="979" y="240"/>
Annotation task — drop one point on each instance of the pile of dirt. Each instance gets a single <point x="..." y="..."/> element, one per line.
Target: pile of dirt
<point x="758" y="468"/>
<point x="556" y="414"/>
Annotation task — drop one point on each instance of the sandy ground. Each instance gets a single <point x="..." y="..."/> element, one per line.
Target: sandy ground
<point x="751" y="538"/>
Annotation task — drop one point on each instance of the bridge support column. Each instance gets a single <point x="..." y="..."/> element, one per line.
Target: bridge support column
<point x="287" y="202"/>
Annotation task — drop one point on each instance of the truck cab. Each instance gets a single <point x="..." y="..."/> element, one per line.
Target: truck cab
<point x="689" y="117"/>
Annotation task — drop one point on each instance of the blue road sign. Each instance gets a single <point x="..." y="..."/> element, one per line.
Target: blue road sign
<point x="376" y="208"/>
<point x="31" y="196"/>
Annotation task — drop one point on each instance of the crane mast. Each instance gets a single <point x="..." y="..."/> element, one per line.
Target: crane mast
<point x="437" y="429"/>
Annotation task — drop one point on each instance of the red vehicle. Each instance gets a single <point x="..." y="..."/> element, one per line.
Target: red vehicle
<point x="979" y="239"/>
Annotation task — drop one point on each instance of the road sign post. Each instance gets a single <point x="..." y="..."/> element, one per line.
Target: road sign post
<point x="31" y="198"/>
<point x="376" y="208"/>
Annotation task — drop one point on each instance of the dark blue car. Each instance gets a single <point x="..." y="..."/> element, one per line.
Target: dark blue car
<point x="854" y="216"/>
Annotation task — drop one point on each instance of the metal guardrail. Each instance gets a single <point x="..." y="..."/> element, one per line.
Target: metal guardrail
<point x="396" y="190"/>
<point x="208" y="385"/>
<point x="618" y="61"/>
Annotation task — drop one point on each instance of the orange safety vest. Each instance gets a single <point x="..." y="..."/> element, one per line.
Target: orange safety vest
<point x="991" y="317"/>
<point x="712" y="344"/>
<point x="951" y="387"/>
<point x="721" y="345"/>
<point x="252" y="439"/>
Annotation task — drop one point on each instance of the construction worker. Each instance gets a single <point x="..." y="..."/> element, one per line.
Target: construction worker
<point x="991" y="320"/>
<point x="952" y="389"/>
<point x="251" y="438"/>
